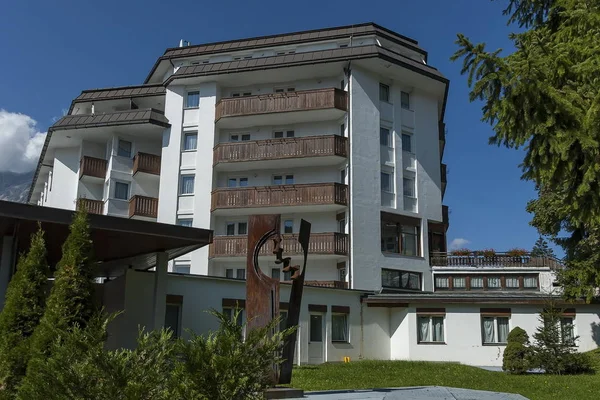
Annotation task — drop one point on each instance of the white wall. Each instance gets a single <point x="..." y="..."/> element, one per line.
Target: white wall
<point x="325" y="174"/>
<point x="66" y="177"/>
<point x="320" y="222"/>
<point x="317" y="270"/>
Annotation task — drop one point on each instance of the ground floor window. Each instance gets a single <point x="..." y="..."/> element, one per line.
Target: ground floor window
<point x="430" y="329"/>
<point x="339" y="327"/>
<point x="567" y="331"/>
<point x="173" y="318"/>
<point x="233" y="313"/>
<point x="283" y="319"/>
<point x="494" y="329"/>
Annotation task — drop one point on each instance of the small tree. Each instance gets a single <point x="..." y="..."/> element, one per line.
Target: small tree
<point x="23" y="309"/>
<point x="541" y="249"/>
<point x="517" y="355"/>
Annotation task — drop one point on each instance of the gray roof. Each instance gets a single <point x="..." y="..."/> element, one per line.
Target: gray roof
<point x="508" y="297"/>
<point x="120" y="92"/>
<point x="128" y="117"/>
<point x="312" y="57"/>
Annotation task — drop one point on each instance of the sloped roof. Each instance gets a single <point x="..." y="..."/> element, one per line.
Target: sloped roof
<point x="128" y="117"/>
<point x="120" y="92"/>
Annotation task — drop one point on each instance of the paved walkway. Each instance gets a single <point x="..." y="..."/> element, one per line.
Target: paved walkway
<point x="413" y="393"/>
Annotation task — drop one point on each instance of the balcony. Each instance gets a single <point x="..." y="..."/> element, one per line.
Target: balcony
<point x="281" y="108"/>
<point x="90" y="206"/>
<point x="444" y="173"/>
<point x="322" y="245"/>
<point x="298" y="152"/>
<point x="279" y="199"/>
<point x="146" y="163"/>
<point x="327" y="284"/>
<point x="143" y="207"/>
<point x="92" y="169"/>
<point x="442" y="137"/>
<point x="478" y="259"/>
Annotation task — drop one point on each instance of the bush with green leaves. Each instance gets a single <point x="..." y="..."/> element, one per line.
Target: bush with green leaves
<point x="23" y="308"/>
<point x="517" y="354"/>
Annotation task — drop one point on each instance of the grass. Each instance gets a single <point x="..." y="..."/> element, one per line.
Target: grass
<point x="386" y="374"/>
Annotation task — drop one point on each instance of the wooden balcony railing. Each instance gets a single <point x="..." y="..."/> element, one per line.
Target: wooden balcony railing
<point x="142" y="206"/>
<point x="280" y="195"/>
<point x="320" y="243"/>
<point x="91" y="206"/>
<point x="92" y="166"/>
<point x="304" y="100"/>
<point x="274" y="149"/>
<point x="477" y="259"/>
<point x="148" y="163"/>
<point x="329" y="284"/>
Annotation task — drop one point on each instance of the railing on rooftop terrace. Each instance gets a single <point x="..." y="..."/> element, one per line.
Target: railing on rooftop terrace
<point x="478" y="259"/>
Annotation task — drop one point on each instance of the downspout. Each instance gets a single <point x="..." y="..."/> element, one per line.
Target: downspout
<point x="348" y="72"/>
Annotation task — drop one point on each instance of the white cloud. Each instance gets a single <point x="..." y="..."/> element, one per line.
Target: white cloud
<point x="20" y="142"/>
<point x="458" y="243"/>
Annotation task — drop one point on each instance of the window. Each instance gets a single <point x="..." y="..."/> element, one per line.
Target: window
<point x="512" y="282"/>
<point x="229" y="273"/>
<point x="240" y="273"/>
<point x="476" y="282"/>
<point x="287" y="276"/>
<point x="399" y="238"/>
<point x="237" y="182"/>
<point x="237" y="137"/>
<point x="408" y="186"/>
<point x="288" y="226"/>
<point x="341" y="46"/>
<point x="283" y="320"/>
<point x="339" y="327"/>
<point x="530" y="282"/>
<point x="124" y="149"/>
<point x="342" y="130"/>
<point x="494" y="329"/>
<point x="237" y="228"/>
<point x="283" y="179"/>
<point x="231" y="229"/>
<point x="181" y="268"/>
<point x="282" y="134"/>
<point x="494" y="282"/>
<point x="441" y="282"/>
<point x="121" y="191"/>
<point x="386" y="182"/>
<point x="431" y="329"/>
<point x="459" y="282"/>
<point x="410" y="241"/>
<point x="407" y="142"/>
<point x="342" y="274"/>
<point x="276" y="273"/>
<point x="241" y="94"/>
<point x="192" y="99"/>
<point x="231" y="314"/>
<point x="190" y="141"/>
<point x="343" y="175"/>
<point x="187" y="184"/>
<point x="385" y="138"/>
<point x="397" y="279"/>
<point x="567" y="332"/>
<point x="185" y="221"/>
<point x="384" y="92"/>
<point x="342" y="225"/>
<point x="172" y="318"/>
<point x="242" y="228"/>
<point x="288" y="89"/>
<point x="405" y="100"/>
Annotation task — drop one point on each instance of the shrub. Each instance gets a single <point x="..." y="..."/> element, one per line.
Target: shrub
<point x="489" y="253"/>
<point x="516" y="252"/>
<point x="461" y="252"/>
<point x="578" y="363"/>
<point x="517" y="354"/>
<point x="23" y="308"/>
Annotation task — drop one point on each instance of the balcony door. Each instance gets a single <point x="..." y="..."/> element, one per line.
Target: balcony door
<point x="316" y="339"/>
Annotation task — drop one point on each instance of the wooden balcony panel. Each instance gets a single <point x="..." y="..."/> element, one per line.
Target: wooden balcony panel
<point x="91" y="206"/>
<point x="280" y="195"/>
<point x="441" y="259"/>
<point x="304" y="100"/>
<point x="142" y="206"/>
<point x="320" y="243"/>
<point x="148" y="163"/>
<point x="92" y="166"/>
<point x="273" y="149"/>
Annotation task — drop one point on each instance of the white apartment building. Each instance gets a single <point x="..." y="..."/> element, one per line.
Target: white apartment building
<point x="342" y="127"/>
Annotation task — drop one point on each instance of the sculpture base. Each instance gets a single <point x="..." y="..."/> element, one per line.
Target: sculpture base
<point x="284" y="393"/>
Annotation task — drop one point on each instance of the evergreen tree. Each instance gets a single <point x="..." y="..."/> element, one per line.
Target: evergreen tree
<point x="545" y="97"/>
<point x="23" y="309"/>
<point x="71" y="299"/>
<point x="541" y="249"/>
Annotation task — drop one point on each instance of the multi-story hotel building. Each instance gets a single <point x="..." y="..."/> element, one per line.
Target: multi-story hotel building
<point x="342" y="127"/>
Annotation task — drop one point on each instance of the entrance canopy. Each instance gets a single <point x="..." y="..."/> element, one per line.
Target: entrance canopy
<point x="119" y="243"/>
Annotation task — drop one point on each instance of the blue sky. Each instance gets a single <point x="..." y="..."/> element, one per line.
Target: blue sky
<point x="53" y="50"/>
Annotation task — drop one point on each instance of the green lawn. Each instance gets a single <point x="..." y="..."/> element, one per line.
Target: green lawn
<point x="381" y="374"/>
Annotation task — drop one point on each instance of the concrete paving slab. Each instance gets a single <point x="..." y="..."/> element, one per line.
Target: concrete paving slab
<point x="413" y="393"/>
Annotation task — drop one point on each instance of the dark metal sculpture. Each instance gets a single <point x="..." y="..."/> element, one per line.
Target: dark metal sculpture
<point x="262" y="291"/>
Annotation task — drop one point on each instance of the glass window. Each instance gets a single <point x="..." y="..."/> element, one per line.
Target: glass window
<point x="476" y="282"/>
<point x="342" y="130"/>
<point x="191" y="141"/>
<point x="192" y="99"/>
<point x="237" y="182"/>
<point x="397" y="279"/>
<point x="512" y="282"/>
<point x="232" y="182"/>
<point x="316" y="328"/>
<point x="240" y="273"/>
<point x="494" y="329"/>
<point x="407" y="142"/>
<point x="187" y="184"/>
<point x="441" y="282"/>
<point x="339" y="327"/>
<point x="231" y="229"/>
<point x="530" y="282"/>
<point x="242" y="228"/>
<point x="185" y="221"/>
<point x="230" y="313"/>
<point x="459" y="282"/>
<point x="343" y="175"/>
<point x="342" y="274"/>
<point x="431" y="329"/>
<point x="386" y="182"/>
<point x="121" y="191"/>
<point x="234" y="138"/>
<point x="289" y="179"/>
<point x="385" y="138"/>
<point x="172" y="313"/>
<point x="408" y="186"/>
<point x="277" y="180"/>
<point x="245" y="137"/>
<point x="278" y="135"/>
<point x="276" y="273"/>
<point x="494" y="282"/>
<point x="124" y="149"/>
<point x="384" y="92"/>
<point x="181" y="269"/>
<point x="243" y="182"/>
<point x="566" y="330"/>
<point x="229" y="273"/>
<point x="288" y="226"/>
<point x="390" y="241"/>
<point x="283" y="320"/>
<point x="342" y="225"/>
<point x="410" y="240"/>
<point x="503" y="329"/>
<point x="287" y="276"/>
<point x="290" y="134"/>
<point x="405" y="100"/>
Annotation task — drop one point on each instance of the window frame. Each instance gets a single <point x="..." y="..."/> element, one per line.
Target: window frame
<point x="238" y="181"/>
<point x="185" y="136"/>
<point x="346" y="328"/>
<point x="389" y="140"/>
<point x="186" y="219"/>
<point x="406" y="178"/>
<point x="285" y="226"/>
<point x="383" y="88"/>
<point x="402" y="100"/>
<point x="496" y="332"/>
<point x="114" y="192"/>
<point x="399" y="278"/>
<point x="390" y="181"/>
<point x="182" y="177"/>
<point x="430" y="330"/>
<point x="240" y="272"/>
<point x="228" y="272"/>
<point x="187" y="99"/>
<point x="285" y="134"/>
<point x="571" y="325"/>
<point x="119" y="140"/>
<point x="284" y="178"/>
<point x="410" y="138"/>
<point x="179" y="306"/>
